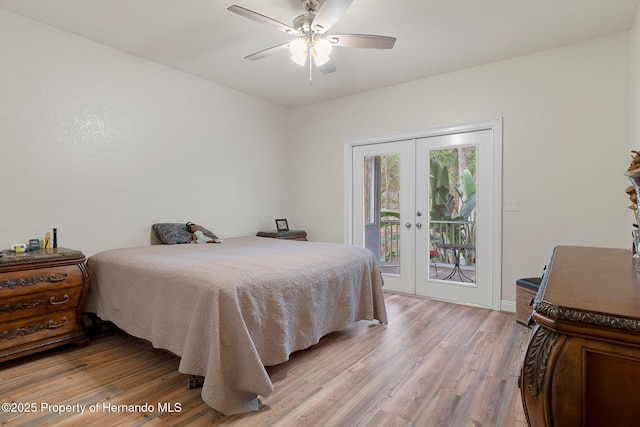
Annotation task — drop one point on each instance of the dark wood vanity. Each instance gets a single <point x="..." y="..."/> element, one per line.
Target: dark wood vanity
<point x="582" y="364"/>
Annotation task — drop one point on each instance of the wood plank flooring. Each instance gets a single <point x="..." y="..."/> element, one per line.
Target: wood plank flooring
<point x="434" y="364"/>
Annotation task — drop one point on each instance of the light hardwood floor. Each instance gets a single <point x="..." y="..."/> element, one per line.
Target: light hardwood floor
<point x="434" y="364"/>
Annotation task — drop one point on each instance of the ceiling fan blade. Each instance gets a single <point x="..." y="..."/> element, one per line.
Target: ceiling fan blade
<point x="327" y="67"/>
<point x="368" y="41"/>
<point x="255" y="16"/>
<point x="268" y="51"/>
<point x="330" y="12"/>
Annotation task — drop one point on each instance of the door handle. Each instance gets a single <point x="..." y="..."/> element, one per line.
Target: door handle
<point x="418" y="225"/>
<point x="408" y="225"/>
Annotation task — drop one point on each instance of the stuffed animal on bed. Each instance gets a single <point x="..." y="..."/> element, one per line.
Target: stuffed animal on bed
<point x="202" y="235"/>
<point x="201" y="238"/>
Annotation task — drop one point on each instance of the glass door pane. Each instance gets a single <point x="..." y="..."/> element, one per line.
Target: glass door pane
<point x="452" y="212"/>
<point x="382" y="209"/>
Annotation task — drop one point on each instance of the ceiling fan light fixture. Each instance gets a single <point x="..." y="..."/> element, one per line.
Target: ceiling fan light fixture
<point x="299" y="50"/>
<point x="321" y="51"/>
<point x="320" y="60"/>
<point x="322" y="47"/>
<point x="300" y="60"/>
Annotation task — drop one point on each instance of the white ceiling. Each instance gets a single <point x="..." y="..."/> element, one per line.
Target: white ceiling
<point x="202" y="38"/>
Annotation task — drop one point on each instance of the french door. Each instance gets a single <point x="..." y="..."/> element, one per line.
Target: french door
<point x="428" y="206"/>
<point x="379" y="210"/>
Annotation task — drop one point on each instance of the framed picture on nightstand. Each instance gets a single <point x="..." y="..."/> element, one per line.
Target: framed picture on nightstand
<point x="282" y="225"/>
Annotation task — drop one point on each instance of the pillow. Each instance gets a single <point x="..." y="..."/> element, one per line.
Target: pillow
<point x="172" y="233"/>
<point x="195" y="227"/>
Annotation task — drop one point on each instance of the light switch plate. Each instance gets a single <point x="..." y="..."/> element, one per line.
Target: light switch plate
<point x="511" y="205"/>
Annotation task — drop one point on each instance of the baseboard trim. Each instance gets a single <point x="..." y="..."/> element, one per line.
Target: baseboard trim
<point x="508" y="306"/>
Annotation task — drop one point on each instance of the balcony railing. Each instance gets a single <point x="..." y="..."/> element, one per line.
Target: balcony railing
<point x="389" y="241"/>
<point x="453" y="233"/>
<point x="447" y="232"/>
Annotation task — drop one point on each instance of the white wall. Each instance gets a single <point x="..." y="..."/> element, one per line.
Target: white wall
<point x="565" y="146"/>
<point x="102" y="144"/>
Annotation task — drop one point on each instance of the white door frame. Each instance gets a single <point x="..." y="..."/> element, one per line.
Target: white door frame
<point x="495" y="125"/>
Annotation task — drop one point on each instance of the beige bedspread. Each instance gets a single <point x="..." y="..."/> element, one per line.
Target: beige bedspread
<point x="230" y="309"/>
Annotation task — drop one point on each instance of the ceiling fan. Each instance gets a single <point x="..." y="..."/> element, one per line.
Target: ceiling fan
<point x="310" y="30"/>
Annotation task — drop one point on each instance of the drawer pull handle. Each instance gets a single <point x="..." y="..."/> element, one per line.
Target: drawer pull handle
<point x="24" y="331"/>
<point x="31" y="281"/>
<point x="53" y="324"/>
<point x="55" y="301"/>
<point x="57" y="278"/>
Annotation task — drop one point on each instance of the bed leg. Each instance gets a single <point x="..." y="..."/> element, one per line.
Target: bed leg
<point x="195" y="382"/>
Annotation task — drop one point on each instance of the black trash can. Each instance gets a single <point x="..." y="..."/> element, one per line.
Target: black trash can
<point x="526" y="290"/>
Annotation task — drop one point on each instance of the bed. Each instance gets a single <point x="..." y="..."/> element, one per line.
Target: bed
<point x="230" y="309"/>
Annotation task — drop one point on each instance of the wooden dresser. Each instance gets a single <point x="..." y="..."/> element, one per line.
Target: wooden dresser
<point x="41" y="298"/>
<point x="582" y="364"/>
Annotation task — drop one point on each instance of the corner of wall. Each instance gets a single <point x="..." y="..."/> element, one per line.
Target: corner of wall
<point x="509" y="306"/>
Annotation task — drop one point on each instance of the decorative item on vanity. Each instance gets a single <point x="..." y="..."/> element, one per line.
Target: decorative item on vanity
<point x="282" y="225"/>
<point x="34" y="244"/>
<point x="18" y="247"/>
<point x="633" y="172"/>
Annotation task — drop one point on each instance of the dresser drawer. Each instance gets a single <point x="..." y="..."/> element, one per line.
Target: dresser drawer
<point x="14" y="283"/>
<point x="39" y="303"/>
<point x="23" y="331"/>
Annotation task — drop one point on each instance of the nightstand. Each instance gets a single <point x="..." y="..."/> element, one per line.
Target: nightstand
<point x="41" y="298"/>
<point x="289" y="235"/>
